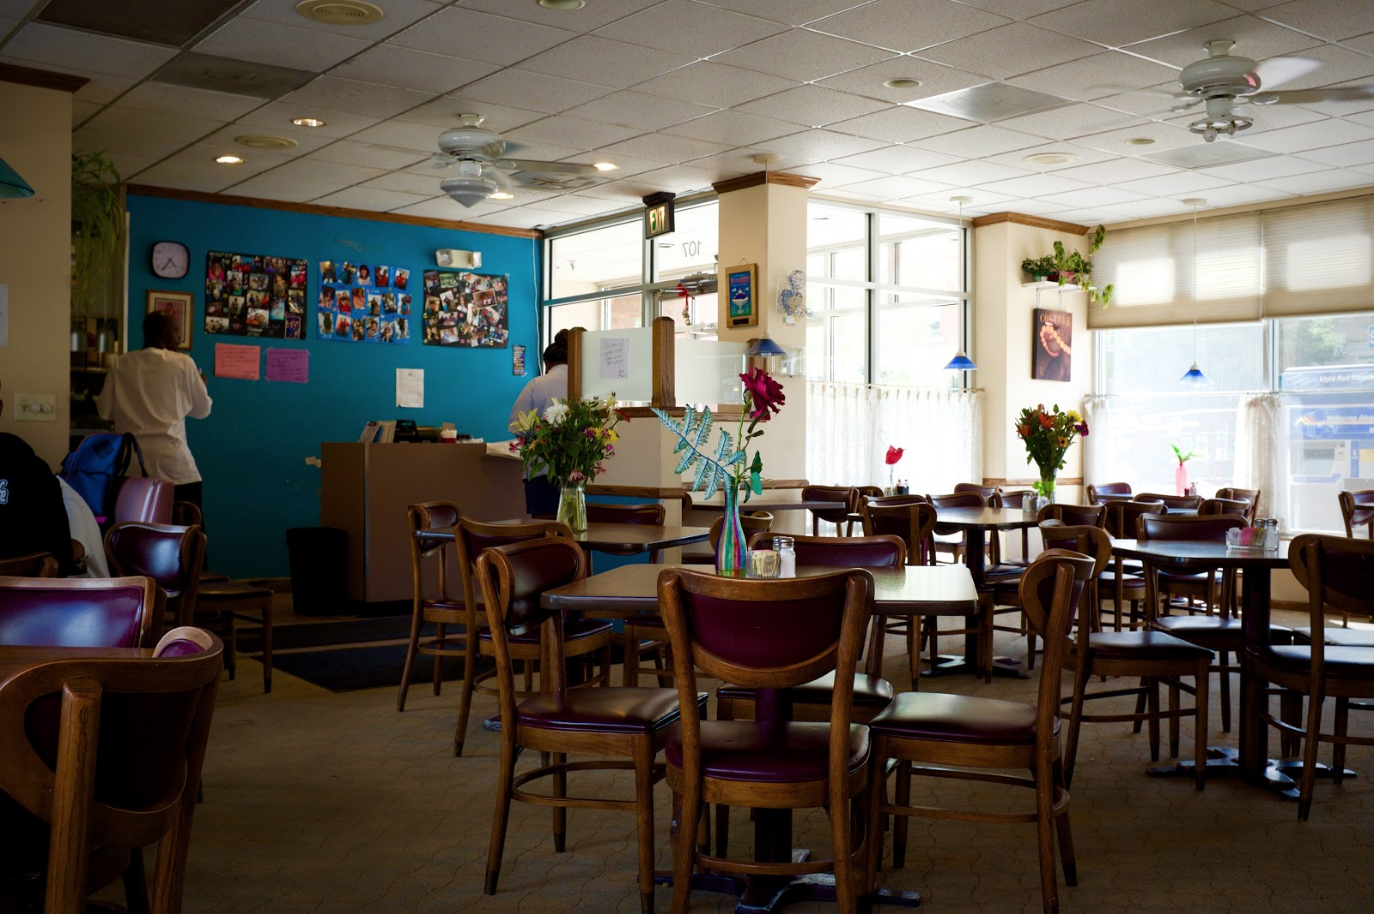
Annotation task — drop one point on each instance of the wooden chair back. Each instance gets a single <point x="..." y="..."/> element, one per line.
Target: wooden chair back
<point x="1211" y="507"/>
<point x="473" y="537"/>
<point x="1172" y="502"/>
<point x="958" y="500"/>
<point x="1100" y="493"/>
<point x="869" y="492"/>
<point x="172" y="556"/>
<point x="422" y="520"/>
<point x="843" y="551"/>
<point x="1051" y="596"/>
<point x="1233" y="492"/>
<point x="1075" y="515"/>
<point x="1121" y="516"/>
<point x="648" y="513"/>
<point x="1357" y="510"/>
<point x="889" y="500"/>
<point x="1186" y="527"/>
<point x="914" y="523"/>
<point x="1012" y="498"/>
<point x="79" y="612"/>
<point x="988" y="492"/>
<point x="33" y="565"/>
<point x="846" y="494"/>
<point x="1338" y="573"/>
<point x="187" y="514"/>
<point x="108" y="753"/>
<point x="753" y="524"/>
<point x="142" y="498"/>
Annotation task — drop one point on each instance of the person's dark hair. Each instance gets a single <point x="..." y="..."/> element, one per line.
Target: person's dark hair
<point x="160" y="330"/>
<point x="556" y="353"/>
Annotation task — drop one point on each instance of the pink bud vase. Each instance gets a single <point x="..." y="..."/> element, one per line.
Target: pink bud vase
<point x="1181" y="478"/>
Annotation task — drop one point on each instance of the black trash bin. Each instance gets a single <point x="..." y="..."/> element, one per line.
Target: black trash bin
<point x="317" y="582"/>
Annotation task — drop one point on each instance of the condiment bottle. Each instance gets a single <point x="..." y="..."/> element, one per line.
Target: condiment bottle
<point x="787" y="556"/>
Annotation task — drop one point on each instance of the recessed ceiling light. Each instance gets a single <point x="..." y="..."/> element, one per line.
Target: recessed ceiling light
<point x="307" y="122"/>
<point x="1140" y="141"/>
<point x="605" y="166"/>
<point x="902" y="82"/>
<point x="340" y="12"/>
<point x="562" y="4"/>
<point x="1051" y="158"/>
<point x="501" y="195"/>
<point x="259" y="141"/>
<point x="229" y="160"/>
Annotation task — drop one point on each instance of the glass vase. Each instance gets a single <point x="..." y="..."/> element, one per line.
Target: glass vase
<point x="1181" y="479"/>
<point x="1046" y="487"/>
<point x="732" y="551"/>
<point x="572" y="506"/>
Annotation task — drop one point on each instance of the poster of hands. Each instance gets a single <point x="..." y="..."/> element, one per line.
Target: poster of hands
<point x="254" y="295"/>
<point x="466" y="309"/>
<point x="365" y="303"/>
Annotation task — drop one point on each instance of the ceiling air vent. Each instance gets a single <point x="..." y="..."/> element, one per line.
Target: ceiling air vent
<point x="258" y="141"/>
<point x="340" y="12"/>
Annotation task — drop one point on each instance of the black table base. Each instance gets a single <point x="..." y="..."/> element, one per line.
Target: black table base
<point x="1002" y="667"/>
<point x="1279" y="775"/>
<point x="764" y="895"/>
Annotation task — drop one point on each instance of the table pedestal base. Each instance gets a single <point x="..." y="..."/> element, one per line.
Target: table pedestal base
<point x="1004" y="667"/>
<point x="1279" y="775"/>
<point x="764" y="895"/>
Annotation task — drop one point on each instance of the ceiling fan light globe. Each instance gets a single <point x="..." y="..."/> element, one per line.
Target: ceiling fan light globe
<point x="468" y="191"/>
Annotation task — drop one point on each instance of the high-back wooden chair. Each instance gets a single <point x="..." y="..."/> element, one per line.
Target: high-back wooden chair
<point x="1074" y="515"/>
<point x="104" y="757"/>
<point x="142" y="498"/>
<point x="79" y="612"/>
<point x="1179" y="503"/>
<point x="650" y="514"/>
<point x="837" y="516"/>
<point x="951" y="540"/>
<point x="628" y="724"/>
<point x="814" y="626"/>
<point x="1103" y="492"/>
<point x="1357" y="510"/>
<point x="33" y="565"/>
<point x="170" y="555"/>
<point x="888" y="501"/>
<point x="1211" y="507"/>
<point x="1202" y="585"/>
<point x="914" y="522"/>
<point x="988" y="492"/>
<point x="943" y="736"/>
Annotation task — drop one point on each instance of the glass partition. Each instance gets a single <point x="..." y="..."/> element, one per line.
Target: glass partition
<point x="618" y="362"/>
<point x="706" y="372"/>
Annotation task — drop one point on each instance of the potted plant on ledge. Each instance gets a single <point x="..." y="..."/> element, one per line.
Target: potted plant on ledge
<point x="1065" y="266"/>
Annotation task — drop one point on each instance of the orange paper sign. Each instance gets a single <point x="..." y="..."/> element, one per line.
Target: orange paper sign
<point x="233" y="360"/>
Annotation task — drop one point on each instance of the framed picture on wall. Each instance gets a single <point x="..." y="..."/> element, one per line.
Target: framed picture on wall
<point x="180" y="305"/>
<point x="1053" y="341"/>
<point x="741" y="285"/>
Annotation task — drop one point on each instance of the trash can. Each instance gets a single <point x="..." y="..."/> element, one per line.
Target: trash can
<point x="318" y="587"/>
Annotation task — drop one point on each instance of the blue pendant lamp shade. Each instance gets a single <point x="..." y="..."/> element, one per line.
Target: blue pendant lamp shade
<point x="11" y="185"/>
<point x="765" y="347"/>
<point x="961" y="362"/>
<point x="1194" y="376"/>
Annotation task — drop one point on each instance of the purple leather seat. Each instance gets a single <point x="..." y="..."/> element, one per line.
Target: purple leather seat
<point x="1352" y="663"/>
<point x="958" y="718"/>
<point x="142" y="498"/>
<point x="869" y="691"/>
<point x="63" y="612"/>
<point x="739" y="750"/>
<point x="172" y="556"/>
<point x="624" y="710"/>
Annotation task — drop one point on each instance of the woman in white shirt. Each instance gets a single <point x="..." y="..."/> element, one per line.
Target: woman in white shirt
<point x="541" y="496"/>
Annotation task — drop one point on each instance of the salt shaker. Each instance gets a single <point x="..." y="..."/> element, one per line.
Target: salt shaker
<point x="785" y="546"/>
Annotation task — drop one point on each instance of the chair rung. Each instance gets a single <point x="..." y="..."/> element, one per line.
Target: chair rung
<point x="936" y="812"/>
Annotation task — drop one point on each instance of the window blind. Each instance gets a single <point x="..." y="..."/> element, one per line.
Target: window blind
<point x="1320" y="258"/>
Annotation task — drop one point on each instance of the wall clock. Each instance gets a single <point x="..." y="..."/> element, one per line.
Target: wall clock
<point x="170" y="259"/>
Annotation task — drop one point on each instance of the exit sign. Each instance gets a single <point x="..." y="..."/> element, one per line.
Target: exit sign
<point x="658" y="215"/>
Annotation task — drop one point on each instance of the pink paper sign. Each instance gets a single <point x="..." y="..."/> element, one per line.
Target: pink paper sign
<point x="233" y="360"/>
<point x="289" y="365"/>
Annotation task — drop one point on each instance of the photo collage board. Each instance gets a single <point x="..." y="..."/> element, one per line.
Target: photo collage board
<point x="255" y="295"/>
<point x="466" y="309"/>
<point x="364" y="303"/>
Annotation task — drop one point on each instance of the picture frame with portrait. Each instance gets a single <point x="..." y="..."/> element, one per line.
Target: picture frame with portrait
<point x="1052" y="345"/>
<point x="181" y="305"/>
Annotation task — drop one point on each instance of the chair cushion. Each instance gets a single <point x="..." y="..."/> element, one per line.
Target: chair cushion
<point x="957" y="718"/>
<point x="574" y="630"/>
<point x="1341" y="662"/>
<point x="738" y="750"/>
<point x="449" y="606"/>
<point x="869" y="691"/>
<point x="1144" y="646"/>
<point x="1184" y="626"/>
<point x="1342" y="637"/>
<point x="610" y="710"/>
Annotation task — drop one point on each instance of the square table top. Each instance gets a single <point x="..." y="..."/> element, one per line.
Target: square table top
<point x="622" y="538"/>
<point x="984" y="518"/>
<point x="1210" y="553"/>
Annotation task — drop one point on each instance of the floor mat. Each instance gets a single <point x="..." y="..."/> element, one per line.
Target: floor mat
<point x="349" y="668"/>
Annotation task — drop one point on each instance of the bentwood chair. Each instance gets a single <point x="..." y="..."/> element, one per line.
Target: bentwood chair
<point x="950" y="540"/>
<point x="643" y="634"/>
<point x="187" y="514"/>
<point x="1338" y="573"/>
<point x="1104" y="492"/>
<point x="79" y="612"/>
<point x="837" y="516"/>
<point x="959" y="736"/>
<point x="102" y="758"/>
<point x="814" y="625"/>
<point x="170" y="555"/>
<point x="1250" y="495"/>
<point x="1126" y="580"/>
<point x="1357" y="510"/>
<point x="1182" y="504"/>
<point x="628" y="724"/>
<point x="222" y="604"/>
<point x="1055" y="533"/>
<point x="1211" y="507"/>
<point x="33" y="565"/>
<point x="1203" y="585"/>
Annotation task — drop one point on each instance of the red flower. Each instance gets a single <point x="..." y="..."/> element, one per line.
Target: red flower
<point x="764" y="393"/>
<point x="893" y="454"/>
<point x="1046" y="421"/>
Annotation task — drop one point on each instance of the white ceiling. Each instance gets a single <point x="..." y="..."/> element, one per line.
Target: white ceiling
<point x="681" y="93"/>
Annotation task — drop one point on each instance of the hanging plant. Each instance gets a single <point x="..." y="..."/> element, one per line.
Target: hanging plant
<point x="97" y="229"/>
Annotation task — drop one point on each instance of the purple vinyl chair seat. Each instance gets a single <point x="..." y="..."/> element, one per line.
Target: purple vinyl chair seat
<point x="740" y="750"/>
<point x="602" y="710"/>
<point x="78" y="612"/>
<point x="871" y="693"/>
<point x="960" y="718"/>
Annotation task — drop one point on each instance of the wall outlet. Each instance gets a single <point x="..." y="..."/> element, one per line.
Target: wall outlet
<point x="35" y="407"/>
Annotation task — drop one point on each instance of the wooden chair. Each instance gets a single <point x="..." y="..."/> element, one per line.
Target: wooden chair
<point x="79" y="612"/>
<point x="170" y="555"/>
<point x="1211" y="507"/>
<point x="888" y="501"/>
<point x="33" y="565"/>
<point x="837" y="516"/>
<point x="142" y="498"/>
<point x="222" y="604"/>
<point x="1202" y="585"/>
<point x="1108" y="491"/>
<point x="643" y="635"/>
<point x="187" y="514"/>
<point x="1074" y="515"/>
<point x="1055" y="533"/>
<point x="958" y="736"/>
<point x="1250" y="495"/>
<point x="1357" y="510"/>
<point x="1171" y="502"/>
<point x="949" y="539"/>
<point x="815" y="626"/>
<point x="1337" y="573"/>
<point x="988" y="492"/>
<point x="103" y="757"/>
<point x="629" y="724"/>
<point x="915" y="524"/>
<point x="1126" y="580"/>
<point x="705" y="553"/>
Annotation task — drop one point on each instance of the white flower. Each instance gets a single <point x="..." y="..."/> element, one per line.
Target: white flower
<point x="556" y="413"/>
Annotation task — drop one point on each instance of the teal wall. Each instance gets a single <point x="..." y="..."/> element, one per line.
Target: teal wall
<point x="252" y="449"/>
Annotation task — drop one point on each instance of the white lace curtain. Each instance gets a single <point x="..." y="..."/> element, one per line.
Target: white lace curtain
<point x="850" y="426"/>
<point x="1261" y="457"/>
<point x="1097" y="412"/>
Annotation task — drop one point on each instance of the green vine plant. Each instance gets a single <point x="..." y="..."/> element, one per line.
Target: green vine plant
<point x="97" y="228"/>
<point x="1066" y="262"/>
<point x="722" y="470"/>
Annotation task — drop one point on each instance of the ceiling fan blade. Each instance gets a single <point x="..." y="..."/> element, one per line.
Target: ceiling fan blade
<point x="501" y="177"/>
<point x="562" y="168"/>
<point x="440" y="160"/>
<point x="1275" y="71"/>
<point x="1310" y="96"/>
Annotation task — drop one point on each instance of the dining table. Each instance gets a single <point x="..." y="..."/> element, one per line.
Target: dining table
<point x="903" y="591"/>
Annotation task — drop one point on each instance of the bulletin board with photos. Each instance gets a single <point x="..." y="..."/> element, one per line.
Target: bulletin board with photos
<point x="364" y="303"/>
<point x="466" y="309"/>
<point x="255" y="295"/>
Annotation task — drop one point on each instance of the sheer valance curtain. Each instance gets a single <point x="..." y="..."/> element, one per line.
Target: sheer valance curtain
<point x="850" y="426"/>
<point x="1097" y="467"/>
<point x="1261" y="455"/>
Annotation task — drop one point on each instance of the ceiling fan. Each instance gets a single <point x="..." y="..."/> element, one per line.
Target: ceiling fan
<point x="477" y="158"/>
<point x="1223" y="80"/>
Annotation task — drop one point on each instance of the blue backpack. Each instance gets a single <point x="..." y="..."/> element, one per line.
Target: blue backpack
<point x="97" y="465"/>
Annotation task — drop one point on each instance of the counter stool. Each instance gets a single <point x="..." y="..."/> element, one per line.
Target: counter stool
<point x="220" y="603"/>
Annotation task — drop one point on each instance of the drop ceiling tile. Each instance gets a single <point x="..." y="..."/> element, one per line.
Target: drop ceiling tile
<point x="681" y="179"/>
<point x="1156" y="101"/>
<point x="1036" y="186"/>
<point x="224" y="141"/>
<point x="1337" y="65"/>
<point x="1043" y="207"/>
<point x="623" y="194"/>
<point x="714" y="84"/>
<point x="1141" y="209"/>
<point x="684" y="27"/>
<point x="527" y="217"/>
<point x="936" y="79"/>
<point x="792" y="12"/>
<point x="188" y="176"/>
<point x="255" y="161"/>
<point x="1267" y="118"/>
<point x="803" y="56"/>
<point x="834" y="175"/>
<point x="1115" y="23"/>
<point x="408" y="182"/>
<point x="1070" y="121"/>
<point x="371" y="198"/>
<point x="40" y="45"/>
<point x="1174" y="185"/>
<point x="82" y="110"/>
<point x="1328" y="19"/>
<point x="289" y="188"/>
<point x="128" y="166"/>
<point x="1242" y="194"/>
<point x="1365" y="117"/>
<point x="480" y="36"/>
<point x="1019" y="9"/>
<point x="102" y="88"/>
<point x="898" y="160"/>
<point x="578" y="204"/>
<point x="896" y="187"/>
<point x="1082" y="156"/>
<point x="939" y="201"/>
<point x="140" y="146"/>
<point x="351" y="152"/>
<point x="533" y="91"/>
<point x="1347" y="108"/>
<point x="1265" y="169"/>
<point x="1165" y="136"/>
<point x="971" y="174"/>
<point x="572" y="132"/>
<point x="591" y="16"/>
<point x="812" y="106"/>
<point x="445" y="208"/>
<point x="168" y="99"/>
<point x="129" y="128"/>
<point x="280" y="45"/>
<point x="1098" y="196"/>
<point x="443" y="113"/>
<point x="668" y="150"/>
<point x="1344" y="156"/>
<point x="310" y="168"/>
<point x="821" y="145"/>
<point x="978" y="142"/>
<point x="626" y="165"/>
<point x="585" y="58"/>
<point x="734" y="128"/>
<point x="352" y="95"/>
<point x="1318" y="182"/>
<point x="399" y="14"/>
<point x="542" y="151"/>
<point x="392" y="65"/>
<point x="421" y="138"/>
<point x="275" y="118"/>
<point x="900" y="124"/>
<point x="903" y="26"/>
<point x="1099" y="76"/>
<point x="1087" y="215"/>
<point x="1254" y="37"/>
<point x="1011" y="50"/>
<point x="644" y="112"/>
<point x="1329" y="132"/>
<point x="1113" y="170"/>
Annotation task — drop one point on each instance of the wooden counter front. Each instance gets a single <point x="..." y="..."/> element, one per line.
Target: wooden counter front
<point x="366" y="488"/>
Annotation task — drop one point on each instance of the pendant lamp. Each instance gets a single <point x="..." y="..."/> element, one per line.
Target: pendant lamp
<point x="11" y="185"/>
<point x="961" y="361"/>
<point x="1194" y="376"/>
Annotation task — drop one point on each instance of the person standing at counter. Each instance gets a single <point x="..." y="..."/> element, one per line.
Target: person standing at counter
<point x="541" y="496"/>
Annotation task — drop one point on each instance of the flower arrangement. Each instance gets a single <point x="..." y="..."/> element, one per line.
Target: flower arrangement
<point x="567" y="444"/>
<point x="1048" y="434"/>
<point x="894" y="454"/>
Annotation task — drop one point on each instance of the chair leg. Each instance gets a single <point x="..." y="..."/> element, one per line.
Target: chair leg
<point x="644" y="820"/>
<point x="847" y="873"/>
<point x="505" y="778"/>
<point x="1200" y="727"/>
<point x="877" y="794"/>
<point x="1080" y="688"/>
<point x="1175" y="718"/>
<point x="629" y="677"/>
<point x="1224" y="682"/>
<point x="604" y="655"/>
<point x="1152" y="709"/>
<point x="913" y="650"/>
<point x="902" y="825"/>
<point x="1067" y="860"/>
<point x="230" y="645"/>
<point x="136" y="883"/>
<point x="1338" y="749"/>
<point x="267" y="645"/>
<point x="560" y="813"/>
<point x="470" y="657"/>
<point x="1290" y="712"/>
<point x="1044" y="833"/>
<point x="439" y="648"/>
<point x="412" y="648"/>
<point x="1308" y="781"/>
<point x="685" y="846"/>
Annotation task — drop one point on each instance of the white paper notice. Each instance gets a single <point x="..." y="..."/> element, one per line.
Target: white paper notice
<point x="410" y="388"/>
<point x="4" y="314"/>
<point x="615" y="358"/>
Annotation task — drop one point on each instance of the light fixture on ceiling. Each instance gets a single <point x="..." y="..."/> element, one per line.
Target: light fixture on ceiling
<point x="1051" y="158"/>
<point x="340" y="12"/>
<point x="605" y="166"/>
<point x="563" y="5"/>
<point x="961" y="361"/>
<point x="228" y="160"/>
<point x="261" y="141"/>
<point x="1194" y="375"/>
<point x="501" y="195"/>
<point x="11" y="185"/>
<point x="902" y="82"/>
<point x="1140" y="141"/>
<point x="307" y="122"/>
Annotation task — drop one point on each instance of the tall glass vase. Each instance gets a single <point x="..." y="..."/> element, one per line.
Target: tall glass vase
<point x="572" y="506"/>
<point x="732" y="553"/>
<point x="1046" y="485"/>
<point x="1181" y="478"/>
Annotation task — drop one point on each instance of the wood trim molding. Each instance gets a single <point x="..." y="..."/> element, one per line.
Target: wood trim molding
<point x="765" y="177"/>
<point x="575" y="363"/>
<point x="43" y="79"/>
<point x="196" y="196"/>
<point x="1069" y="228"/>
<point x="720" y="413"/>
<point x="1019" y="483"/>
<point x="666" y="493"/>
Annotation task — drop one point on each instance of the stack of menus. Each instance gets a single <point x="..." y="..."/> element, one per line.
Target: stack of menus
<point x="255" y="295"/>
